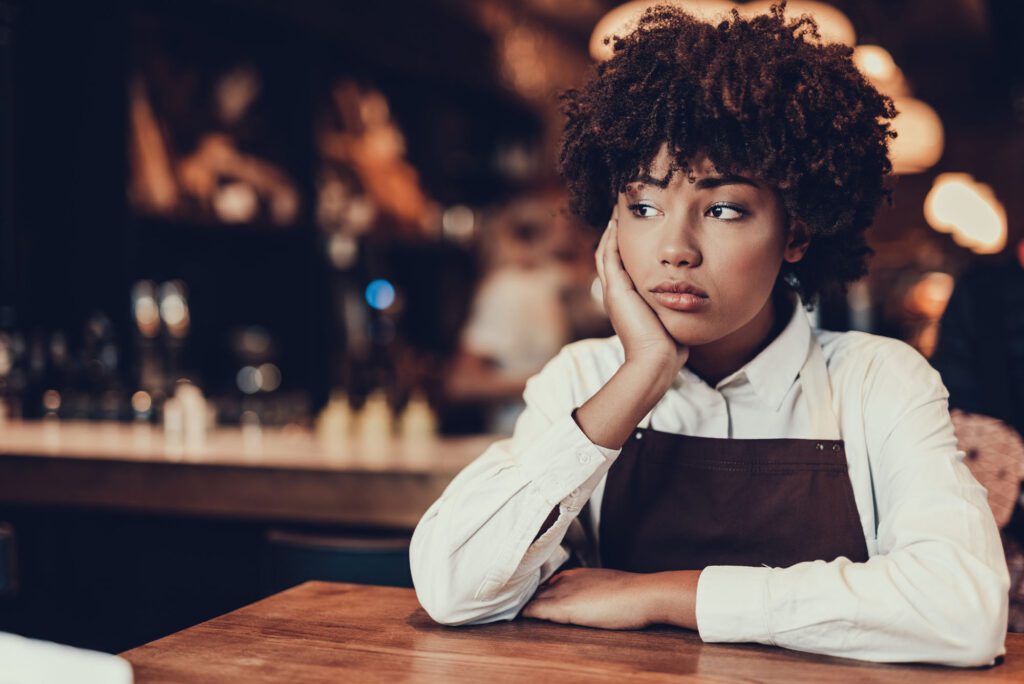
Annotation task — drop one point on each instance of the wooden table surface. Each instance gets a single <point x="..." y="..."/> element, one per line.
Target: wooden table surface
<point x="324" y="632"/>
<point x="279" y="474"/>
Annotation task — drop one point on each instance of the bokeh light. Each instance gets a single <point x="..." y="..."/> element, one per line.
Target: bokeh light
<point x="145" y="309"/>
<point x="141" y="402"/>
<point x="622" y="20"/>
<point x="174" y="308"/>
<point x="878" y="66"/>
<point x="920" y="136"/>
<point x="249" y="379"/>
<point x="269" y="376"/>
<point x="458" y="223"/>
<point x="833" y="25"/>
<point x="968" y="210"/>
<point x="380" y="294"/>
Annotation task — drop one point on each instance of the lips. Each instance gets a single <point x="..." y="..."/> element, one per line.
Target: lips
<point x="680" y="296"/>
<point x="679" y="287"/>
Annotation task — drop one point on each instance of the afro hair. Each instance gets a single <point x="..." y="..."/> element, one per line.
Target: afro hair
<point x="761" y="96"/>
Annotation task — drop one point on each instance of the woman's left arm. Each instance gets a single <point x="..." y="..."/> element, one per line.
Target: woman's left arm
<point x="938" y="589"/>
<point x="936" y="592"/>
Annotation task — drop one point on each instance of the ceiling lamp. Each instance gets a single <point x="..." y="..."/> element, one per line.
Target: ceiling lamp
<point x="968" y="210"/>
<point x="833" y="25"/>
<point x="878" y="66"/>
<point x="623" y="20"/>
<point x="920" y="139"/>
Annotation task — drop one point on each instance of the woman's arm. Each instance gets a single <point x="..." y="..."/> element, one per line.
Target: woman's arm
<point x="480" y="551"/>
<point x="937" y="591"/>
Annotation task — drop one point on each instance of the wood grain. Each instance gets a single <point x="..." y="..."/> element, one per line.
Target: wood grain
<point x="287" y="475"/>
<point x="323" y="632"/>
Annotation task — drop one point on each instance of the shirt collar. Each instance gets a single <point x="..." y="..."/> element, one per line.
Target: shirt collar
<point x="773" y="371"/>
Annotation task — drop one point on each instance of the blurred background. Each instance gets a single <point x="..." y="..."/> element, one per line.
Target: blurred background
<point x="278" y="200"/>
<point x="335" y="218"/>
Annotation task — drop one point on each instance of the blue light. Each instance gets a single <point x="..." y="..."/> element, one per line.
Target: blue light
<point x="380" y="294"/>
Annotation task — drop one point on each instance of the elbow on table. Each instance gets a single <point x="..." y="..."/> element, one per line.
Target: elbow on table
<point x="981" y="626"/>
<point x="446" y="605"/>
<point x="976" y="650"/>
<point x="447" y="613"/>
<point x="987" y="643"/>
<point x="447" y="595"/>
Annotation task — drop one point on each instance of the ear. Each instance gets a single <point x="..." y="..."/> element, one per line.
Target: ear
<point x="797" y="241"/>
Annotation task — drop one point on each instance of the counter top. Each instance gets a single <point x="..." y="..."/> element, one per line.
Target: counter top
<point x="324" y="632"/>
<point x="281" y="474"/>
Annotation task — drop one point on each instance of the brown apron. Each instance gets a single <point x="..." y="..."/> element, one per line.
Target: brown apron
<point x="679" y="502"/>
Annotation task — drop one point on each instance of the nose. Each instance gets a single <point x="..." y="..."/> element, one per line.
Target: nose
<point x="678" y="249"/>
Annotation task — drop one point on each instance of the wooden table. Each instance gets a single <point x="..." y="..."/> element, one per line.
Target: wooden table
<point x="322" y="632"/>
<point x="276" y="474"/>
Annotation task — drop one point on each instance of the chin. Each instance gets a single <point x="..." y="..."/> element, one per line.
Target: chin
<point x="690" y="333"/>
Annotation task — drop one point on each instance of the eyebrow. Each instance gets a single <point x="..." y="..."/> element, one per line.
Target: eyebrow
<point x="708" y="182"/>
<point x="719" y="181"/>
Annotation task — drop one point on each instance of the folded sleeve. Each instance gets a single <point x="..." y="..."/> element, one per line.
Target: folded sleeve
<point x="474" y="557"/>
<point x="936" y="591"/>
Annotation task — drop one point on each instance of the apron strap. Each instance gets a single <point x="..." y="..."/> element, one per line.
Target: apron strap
<point x="817" y="389"/>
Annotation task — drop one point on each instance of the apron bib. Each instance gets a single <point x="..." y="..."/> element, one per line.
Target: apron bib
<point x="678" y="502"/>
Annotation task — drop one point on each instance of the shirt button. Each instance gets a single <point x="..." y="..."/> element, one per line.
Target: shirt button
<point x="819" y="446"/>
<point x="583" y="457"/>
<point x="639" y="435"/>
<point x="836" y="448"/>
<point x="572" y="502"/>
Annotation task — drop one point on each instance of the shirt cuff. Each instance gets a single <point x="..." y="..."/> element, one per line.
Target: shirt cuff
<point x="562" y="459"/>
<point x="731" y="604"/>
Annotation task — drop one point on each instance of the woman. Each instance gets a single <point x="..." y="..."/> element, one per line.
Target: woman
<point x="729" y="468"/>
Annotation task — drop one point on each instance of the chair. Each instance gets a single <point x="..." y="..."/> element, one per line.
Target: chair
<point x="8" y="575"/>
<point x="291" y="557"/>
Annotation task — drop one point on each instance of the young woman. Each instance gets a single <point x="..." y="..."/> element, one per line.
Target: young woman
<point x="719" y="464"/>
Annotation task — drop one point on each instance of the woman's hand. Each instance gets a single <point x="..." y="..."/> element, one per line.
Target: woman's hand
<point x="592" y="597"/>
<point x="613" y="599"/>
<point x="644" y="338"/>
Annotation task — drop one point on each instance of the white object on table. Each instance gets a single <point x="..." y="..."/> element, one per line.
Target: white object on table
<point x="30" y="661"/>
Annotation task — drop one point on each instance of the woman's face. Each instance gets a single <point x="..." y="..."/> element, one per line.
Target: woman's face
<point x="726" y="236"/>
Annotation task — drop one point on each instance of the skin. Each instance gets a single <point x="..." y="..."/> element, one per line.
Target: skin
<point x="729" y="239"/>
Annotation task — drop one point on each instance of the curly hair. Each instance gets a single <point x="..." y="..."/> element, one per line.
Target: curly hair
<point x="761" y="96"/>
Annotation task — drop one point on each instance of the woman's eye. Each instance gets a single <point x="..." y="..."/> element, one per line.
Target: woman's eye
<point x="726" y="212"/>
<point x="641" y="210"/>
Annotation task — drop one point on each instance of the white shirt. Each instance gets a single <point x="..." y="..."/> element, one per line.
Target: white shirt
<point x="935" y="588"/>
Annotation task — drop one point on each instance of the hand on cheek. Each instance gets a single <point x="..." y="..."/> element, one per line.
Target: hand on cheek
<point x="644" y="337"/>
<point x="591" y="597"/>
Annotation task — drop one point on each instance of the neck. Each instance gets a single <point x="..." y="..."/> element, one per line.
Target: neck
<point x="716" y="360"/>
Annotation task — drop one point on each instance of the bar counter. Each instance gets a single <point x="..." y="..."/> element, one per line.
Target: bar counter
<point x="276" y="474"/>
<point x="326" y="632"/>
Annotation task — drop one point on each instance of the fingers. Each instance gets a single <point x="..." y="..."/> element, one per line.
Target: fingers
<point x="545" y="609"/>
<point x="537" y="610"/>
<point x="614" y="272"/>
<point x="601" y="246"/>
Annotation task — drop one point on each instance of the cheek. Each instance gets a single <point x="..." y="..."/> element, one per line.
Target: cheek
<point x="760" y="261"/>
